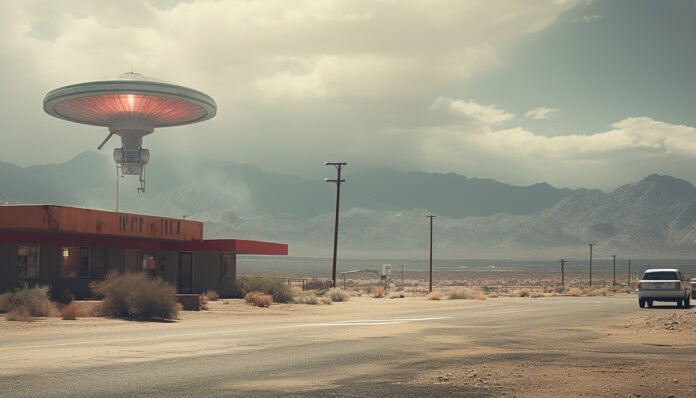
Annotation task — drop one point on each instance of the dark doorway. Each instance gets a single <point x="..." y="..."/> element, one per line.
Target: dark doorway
<point x="185" y="273"/>
<point x="132" y="260"/>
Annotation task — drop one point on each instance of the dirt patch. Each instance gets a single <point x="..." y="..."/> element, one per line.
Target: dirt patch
<point x="680" y="322"/>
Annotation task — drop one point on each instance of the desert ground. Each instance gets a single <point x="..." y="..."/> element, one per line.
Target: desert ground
<point x="411" y="347"/>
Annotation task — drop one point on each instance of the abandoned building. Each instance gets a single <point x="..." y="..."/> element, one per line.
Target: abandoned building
<point x="68" y="247"/>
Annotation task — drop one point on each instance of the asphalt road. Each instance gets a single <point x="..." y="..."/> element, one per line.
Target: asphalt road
<point x="380" y="355"/>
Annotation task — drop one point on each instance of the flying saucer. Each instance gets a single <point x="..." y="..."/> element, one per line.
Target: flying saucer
<point x="130" y="106"/>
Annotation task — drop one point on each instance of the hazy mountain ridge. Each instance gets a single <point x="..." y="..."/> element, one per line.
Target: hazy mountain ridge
<point x="383" y="211"/>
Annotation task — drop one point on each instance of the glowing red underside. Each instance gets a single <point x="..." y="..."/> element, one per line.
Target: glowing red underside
<point x="103" y="109"/>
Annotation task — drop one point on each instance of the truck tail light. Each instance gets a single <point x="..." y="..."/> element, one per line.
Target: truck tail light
<point x="638" y="284"/>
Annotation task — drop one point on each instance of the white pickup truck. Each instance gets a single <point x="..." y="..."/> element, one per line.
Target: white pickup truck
<point x="664" y="284"/>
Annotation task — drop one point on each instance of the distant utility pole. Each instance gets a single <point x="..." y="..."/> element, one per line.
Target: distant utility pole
<point x="591" y="244"/>
<point x="628" y="282"/>
<point x="613" y="283"/>
<point x="338" y="181"/>
<point x="430" y="287"/>
<point x="563" y="272"/>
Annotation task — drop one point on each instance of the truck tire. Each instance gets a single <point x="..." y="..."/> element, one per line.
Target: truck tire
<point x="641" y="303"/>
<point x="687" y="302"/>
<point x="680" y="303"/>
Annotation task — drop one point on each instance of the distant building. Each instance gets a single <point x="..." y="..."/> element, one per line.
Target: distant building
<point x="69" y="247"/>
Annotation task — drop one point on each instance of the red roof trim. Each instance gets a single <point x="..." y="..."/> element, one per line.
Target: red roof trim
<point x="227" y="245"/>
<point x="232" y="245"/>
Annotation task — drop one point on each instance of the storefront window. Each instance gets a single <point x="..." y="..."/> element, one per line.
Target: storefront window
<point x="68" y="262"/>
<point x="28" y="261"/>
<point x="82" y="262"/>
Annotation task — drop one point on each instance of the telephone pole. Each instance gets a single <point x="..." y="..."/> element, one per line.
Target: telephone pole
<point x="613" y="283"/>
<point x="338" y="181"/>
<point x="591" y="244"/>
<point x="430" y="287"/>
<point x="563" y="272"/>
<point x="628" y="282"/>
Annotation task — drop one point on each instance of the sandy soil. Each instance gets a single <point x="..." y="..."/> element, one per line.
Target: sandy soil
<point x="572" y="371"/>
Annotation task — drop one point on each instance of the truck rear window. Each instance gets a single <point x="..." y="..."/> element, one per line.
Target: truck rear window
<point x="661" y="276"/>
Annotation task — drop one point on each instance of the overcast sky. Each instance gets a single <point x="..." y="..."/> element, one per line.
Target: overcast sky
<point x="574" y="93"/>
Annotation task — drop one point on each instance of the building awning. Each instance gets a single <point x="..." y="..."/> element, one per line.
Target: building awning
<point x="238" y="246"/>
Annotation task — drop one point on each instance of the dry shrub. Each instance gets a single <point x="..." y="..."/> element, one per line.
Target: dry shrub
<point x="136" y="296"/>
<point x="628" y="289"/>
<point x="306" y="298"/>
<point x="26" y="302"/>
<point x="522" y="293"/>
<point x="602" y="291"/>
<point x="326" y="300"/>
<point x="377" y="291"/>
<point x="259" y="299"/>
<point x="574" y="291"/>
<point x="336" y="294"/>
<point x="318" y="284"/>
<point x="296" y="291"/>
<point x="396" y="295"/>
<point x="465" y="294"/>
<point x="437" y="296"/>
<point x="203" y="302"/>
<point x="536" y="294"/>
<point x="278" y="288"/>
<point x="212" y="295"/>
<point x="560" y="289"/>
<point x="87" y="308"/>
<point x="69" y="312"/>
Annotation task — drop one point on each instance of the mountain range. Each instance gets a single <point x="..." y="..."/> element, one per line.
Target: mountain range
<point x="382" y="211"/>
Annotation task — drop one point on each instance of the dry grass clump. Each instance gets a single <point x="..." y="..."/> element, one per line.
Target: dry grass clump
<point x="69" y="312"/>
<point x="521" y="293"/>
<point x="259" y="299"/>
<point x="377" y="291"/>
<point x="203" y="302"/>
<point x="136" y="296"/>
<point x="211" y="295"/>
<point x="574" y="291"/>
<point x="79" y="309"/>
<point x="465" y="294"/>
<point x="25" y="303"/>
<point x="326" y="300"/>
<point x="396" y="295"/>
<point x="275" y="287"/>
<point x="437" y="296"/>
<point x="336" y="294"/>
<point x="318" y="284"/>
<point x="602" y="291"/>
<point x="306" y="298"/>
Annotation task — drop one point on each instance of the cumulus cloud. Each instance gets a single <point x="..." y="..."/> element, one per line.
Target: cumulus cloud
<point x="518" y="154"/>
<point x="541" y="113"/>
<point x="303" y="81"/>
<point x="472" y="110"/>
